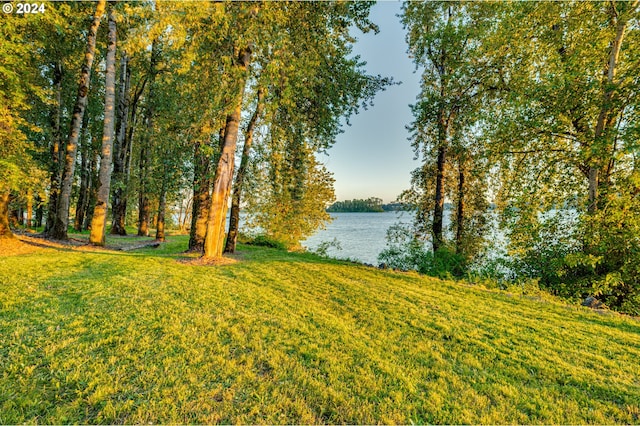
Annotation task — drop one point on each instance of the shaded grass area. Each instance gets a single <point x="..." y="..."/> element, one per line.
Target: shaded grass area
<point x="139" y="337"/>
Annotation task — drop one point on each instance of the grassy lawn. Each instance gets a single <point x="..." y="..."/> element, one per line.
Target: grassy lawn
<point x="141" y="336"/>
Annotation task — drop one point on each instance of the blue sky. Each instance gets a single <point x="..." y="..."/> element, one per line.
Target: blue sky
<point x="373" y="157"/>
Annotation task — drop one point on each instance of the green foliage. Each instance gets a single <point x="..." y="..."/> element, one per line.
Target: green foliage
<point x="610" y="263"/>
<point x="324" y="247"/>
<point x="183" y="54"/>
<point x="19" y="89"/>
<point x="544" y="103"/>
<point x="540" y="244"/>
<point x="576" y="255"/>
<point x="406" y="252"/>
<point x="445" y="42"/>
<point x="292" y="193"/>
<point x="282" y="338"/>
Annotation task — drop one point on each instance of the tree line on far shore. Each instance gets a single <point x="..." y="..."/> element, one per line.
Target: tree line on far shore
<point x="370" y="205"/>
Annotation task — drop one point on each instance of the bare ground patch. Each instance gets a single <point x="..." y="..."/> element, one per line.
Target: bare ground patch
<point x="227" y="259"/>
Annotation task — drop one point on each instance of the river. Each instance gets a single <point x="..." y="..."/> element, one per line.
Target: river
<point x="361" y="236"/>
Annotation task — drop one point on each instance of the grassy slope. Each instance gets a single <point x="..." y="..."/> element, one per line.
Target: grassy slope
<point x="138" y="337"/>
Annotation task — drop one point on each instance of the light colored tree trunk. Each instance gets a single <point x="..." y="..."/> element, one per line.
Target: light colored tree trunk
<point x="85" y="177"/>
<point x="92" y="192"/>
<point x="187" y="215"/>
<point x="99" y="220"/>
<point x="59" y="229"/>
<point x="214" y="241"/>
<point x="120" y="204"/>
<point x="234" y="217"/>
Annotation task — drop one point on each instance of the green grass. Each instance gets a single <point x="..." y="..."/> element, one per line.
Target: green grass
<point x="139" y="337"/>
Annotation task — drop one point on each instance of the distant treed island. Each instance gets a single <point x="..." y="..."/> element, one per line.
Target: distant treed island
<point x="370" y="205"/>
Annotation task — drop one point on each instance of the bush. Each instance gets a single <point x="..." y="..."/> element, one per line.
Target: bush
<point x="611" y="256"/>
<point x="407" y="253"/>
<point x="266" y="241"/>
<point x="590" y="255"/>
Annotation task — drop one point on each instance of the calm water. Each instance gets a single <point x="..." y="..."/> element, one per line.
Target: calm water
<point x="361" y="235"/>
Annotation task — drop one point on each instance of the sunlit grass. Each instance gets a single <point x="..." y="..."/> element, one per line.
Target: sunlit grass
<point x="139" y="337"/>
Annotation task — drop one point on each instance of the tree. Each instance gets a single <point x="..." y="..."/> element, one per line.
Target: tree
<point x="214" y="241"/>
<point x="234" y="217"/>
<point x="61" y="51"/>
<point x="86" y="154"/>
<point x="445" y="41"/>
<point x="59" y="229"/>
<point x="312" y="86"/>
<point x="294" y="192"/>
<point x="121" y="151"/>
<point x="20" y="93"/>
<point x="202" y="181"/>
<point x="99" y="219"/>
<point x="144" y="202"/>
<point x="566" y="145"/>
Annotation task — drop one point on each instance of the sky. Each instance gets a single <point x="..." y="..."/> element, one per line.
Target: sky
<point x="373" y="157"/>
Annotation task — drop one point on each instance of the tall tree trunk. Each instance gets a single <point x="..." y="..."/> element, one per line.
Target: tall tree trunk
<point x="438" y="206"/>
<point x="460" y="219"/>
<point x="99" y="220"/>
<point x="202" y="182"/>
<point x="56" y="152"/>
<point x="5" y="230"/>
<point x="39" y="211"/>
<point x="120" y="205"/>
<point x="82" y="193"/>
<point x="85" y="176"/>
<point x="234" y="217"/>
<point x="162" y="207"/>
<point x="120" y="151"/>
<point x="59" y="230"/>
<point x="92" y="189"/>
<point x="181" y="211"/>
<point x="29" y="223"/>
<point x="213" y="245"/>
<point x="187" y="214"/>
<point x="606" y="110"/>
<point x="144" y="204"/>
